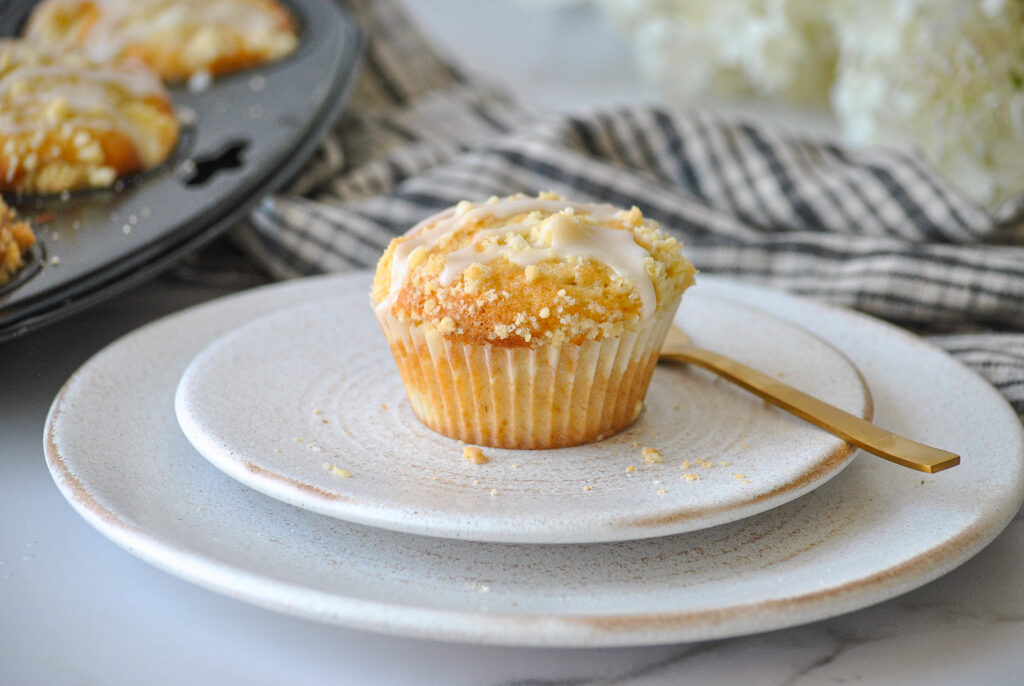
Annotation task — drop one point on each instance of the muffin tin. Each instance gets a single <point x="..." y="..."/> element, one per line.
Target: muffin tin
<point x="242" y="138"/>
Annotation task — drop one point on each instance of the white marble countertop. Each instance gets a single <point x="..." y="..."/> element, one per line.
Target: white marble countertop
<point x="77" y="609"/>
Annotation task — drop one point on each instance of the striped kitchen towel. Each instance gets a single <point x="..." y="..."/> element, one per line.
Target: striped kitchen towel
<point x="876" y="230"/>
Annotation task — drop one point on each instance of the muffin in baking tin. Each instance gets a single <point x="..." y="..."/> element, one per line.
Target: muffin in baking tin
<point x="179" y="39"/>
<point x="16" y="238"/>
<point x="529" y="322"/>
<point x="68" y="123"/>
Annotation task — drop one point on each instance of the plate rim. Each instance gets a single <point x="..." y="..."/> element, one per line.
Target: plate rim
<point x="528" y="629"/>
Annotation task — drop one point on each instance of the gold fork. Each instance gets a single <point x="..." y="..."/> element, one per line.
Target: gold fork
<point x="861" y="433"/>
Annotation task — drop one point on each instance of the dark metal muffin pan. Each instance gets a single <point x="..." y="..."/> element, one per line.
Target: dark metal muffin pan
<point x="244" y="137"/>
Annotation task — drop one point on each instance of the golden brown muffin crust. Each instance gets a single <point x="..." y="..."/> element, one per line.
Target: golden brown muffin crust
<point x="558" y="297"/>
<point x="176" y="38"/>
<point x="16" y="237"/>
<point x="68" y="123"/>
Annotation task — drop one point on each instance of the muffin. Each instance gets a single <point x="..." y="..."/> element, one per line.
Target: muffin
<point x="16" y="238"/>
<point x="178" y="39"/>
<point x="529" y="322"/>
<point x="68" y="123"/>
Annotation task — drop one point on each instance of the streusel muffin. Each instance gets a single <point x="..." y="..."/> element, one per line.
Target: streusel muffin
<point x="68" y="123"/>
<point x="176" y="38"/>
<point x="529" y="322"/>
<point x="16" y="237"/>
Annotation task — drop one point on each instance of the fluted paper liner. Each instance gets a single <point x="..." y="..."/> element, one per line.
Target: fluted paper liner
<point x="550" y="396"/>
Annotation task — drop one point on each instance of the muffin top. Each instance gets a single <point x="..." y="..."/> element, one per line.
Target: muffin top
<point x="176" y="38"/>
<point x="522" y="271"/>
<point x="67" y="122"/>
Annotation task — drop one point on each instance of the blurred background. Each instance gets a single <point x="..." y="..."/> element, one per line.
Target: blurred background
<point x="943" y="76"/>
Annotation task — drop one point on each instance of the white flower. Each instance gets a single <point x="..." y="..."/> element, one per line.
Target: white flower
<point x="778" y="48"/>
<point x="943" y="76"/>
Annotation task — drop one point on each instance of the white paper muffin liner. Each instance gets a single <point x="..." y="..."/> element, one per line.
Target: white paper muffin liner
<point x="550" y="396"/>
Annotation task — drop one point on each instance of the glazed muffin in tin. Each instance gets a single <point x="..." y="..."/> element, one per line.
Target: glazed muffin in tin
<point x="67" y="122"/>
<point x="16" y="238"/>
<point x="179" y="39"/>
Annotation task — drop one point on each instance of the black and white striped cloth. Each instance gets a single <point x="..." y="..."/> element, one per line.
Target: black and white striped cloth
<point x="876" y="230"/>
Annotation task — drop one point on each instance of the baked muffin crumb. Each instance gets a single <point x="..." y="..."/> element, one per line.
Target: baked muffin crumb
<point x="652" y="456"/>
<point x="474" y="455"/>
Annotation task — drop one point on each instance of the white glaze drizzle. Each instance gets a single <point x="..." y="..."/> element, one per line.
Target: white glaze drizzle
<point x="26" y="90"/>
<point x="567" y="237"/>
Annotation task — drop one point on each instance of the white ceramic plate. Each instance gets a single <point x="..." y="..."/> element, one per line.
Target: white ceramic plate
<point x="874" y="531"/>
<point x="284" y="402"/>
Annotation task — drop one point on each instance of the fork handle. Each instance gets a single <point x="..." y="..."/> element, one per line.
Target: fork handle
<point x="850" y="428"/>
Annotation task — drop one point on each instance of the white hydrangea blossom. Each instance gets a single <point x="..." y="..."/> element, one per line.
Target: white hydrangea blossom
<point x="777" y="48"/>
<point x="944" y="76"/>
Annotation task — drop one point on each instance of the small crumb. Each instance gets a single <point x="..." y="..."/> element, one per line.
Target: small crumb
<point x="126" y="229"/>
<point x="651" y="456"/>
<point x="434" y="478"/>
<point x="383" y="406"/>
<point x="676" y="408"/>
<point x="706" y="463"/>
<point x="689" y="477"/>
<point x="347" y="434"/>
<point x="743" y="444"/>
<point x="298" y="440"/>
<point x="199" y="81"/>
<point x="586" y="488"/>
<point x="723" y="463"/>
<point x="515" y="465"/>
<point x="630" y="469"/>
<point x="324" y="421"/>
<point x="474" y="455"/>
<point x="55" y="260"/>
<point x="337" y="471"/>
<point x="685" y="465"/>
<point x="662" y="491"/>
<point x="494" y="491"/>
<point x="476" y="482"/>
<point x="315" y="411"/>
<point x="277" y="450"/>
<point x="739" y="476"/>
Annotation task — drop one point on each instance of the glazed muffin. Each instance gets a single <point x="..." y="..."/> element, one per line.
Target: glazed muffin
<point x="529" y="322"/>
<point x="16" y="238"/>
<point x="68" y="123"/>
<point x="178" y="39"/>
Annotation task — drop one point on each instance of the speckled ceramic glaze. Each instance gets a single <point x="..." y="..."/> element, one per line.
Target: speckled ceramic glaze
<point x="875" y="530"/>
<point x="286" y="402"/>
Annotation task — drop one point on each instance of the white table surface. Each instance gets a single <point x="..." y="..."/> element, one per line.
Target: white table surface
<point x="76" y="609"/>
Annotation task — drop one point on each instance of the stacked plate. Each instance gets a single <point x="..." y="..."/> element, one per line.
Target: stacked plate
<point x="262" y="446"/>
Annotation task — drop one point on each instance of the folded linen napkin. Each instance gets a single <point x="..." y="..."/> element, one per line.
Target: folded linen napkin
<point x="875" y="230"/>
